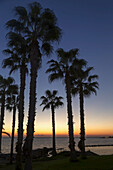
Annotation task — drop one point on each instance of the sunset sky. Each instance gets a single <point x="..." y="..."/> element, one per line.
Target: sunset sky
<point x="87" y="25"/>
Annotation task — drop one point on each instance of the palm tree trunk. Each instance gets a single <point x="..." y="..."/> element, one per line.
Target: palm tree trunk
<point x="53" y="127"/>
<point x="70" y="118"/>
<point x="31" y="118"/>
<point x="2" y="120"/>
<point x="82" y="133"/>
<point x="13" y="130"/>
<point x="34" y="60"/>
<point x="20" y="119"/>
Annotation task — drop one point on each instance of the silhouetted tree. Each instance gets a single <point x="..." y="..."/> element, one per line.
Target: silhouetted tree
<point x="39" y="27"/>
<point x="5" y="85"/>
<point x="51" y="101"/>
<point x="17" y="60"/>
<point x="84" y="85"/>
<point x="61" y="69"/>
<point x="12" y="103"/>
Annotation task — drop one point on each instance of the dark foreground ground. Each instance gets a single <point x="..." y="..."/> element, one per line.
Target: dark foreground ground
<point x="62" y="162"/>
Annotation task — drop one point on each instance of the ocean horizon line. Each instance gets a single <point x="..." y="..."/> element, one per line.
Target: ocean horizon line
<point x="66" y="136"/>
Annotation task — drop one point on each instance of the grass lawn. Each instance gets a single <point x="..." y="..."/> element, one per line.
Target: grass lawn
<point x="63" y="163"/>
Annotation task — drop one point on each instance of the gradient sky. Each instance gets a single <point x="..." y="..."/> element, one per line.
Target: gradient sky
<point x="87" y="25"/>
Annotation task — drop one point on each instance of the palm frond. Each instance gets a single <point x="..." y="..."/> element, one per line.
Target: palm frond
<point x="58" y="103"/>
<point x="51" y="99"/>
<point x="43" y="98"/>
<point x="12" y="90"/>
<point x="88" y="70"/>
<point x="21" y="12"/>
<point x="60" y="98"/>
<point x="6" y="133"/>
<point x="54" y="93"/>
<point x="10" y="80"/>
<point x="7" y="51"/>
<point x="60" y="52"/>
<point x="47" y="48"/>
<point x="49" y="17"/>
<point x="55" y="76"/>
<point x="75" y="91"/>
<point x="49" y="31"/>
<point x="14" y="68"/>
<point x="94" y="85"/>
<point x="7" y="63"/>
<point x="48" y="93"/>
<point x="92" y="77"/>
<point x="35" y="9"/>
<point x="86" y="93"/>
<point x="15" y="25"/>
<point x="73" y="53"/>
<point x="47" y="106"/>
<point x="15" y="39"/>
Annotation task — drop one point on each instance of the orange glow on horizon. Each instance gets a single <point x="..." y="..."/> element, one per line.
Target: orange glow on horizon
<point x="43" y="125"/>
<point x="92" y="132"/>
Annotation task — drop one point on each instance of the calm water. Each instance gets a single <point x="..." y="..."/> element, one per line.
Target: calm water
<point x="62" y="142"/>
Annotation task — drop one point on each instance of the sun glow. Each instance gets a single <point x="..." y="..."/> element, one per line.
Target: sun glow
<point x="43" y="125"/>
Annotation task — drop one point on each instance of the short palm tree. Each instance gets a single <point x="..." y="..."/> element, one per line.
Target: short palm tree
<point x="52" y="101"/>
<point x="5" y="85"/>
<point x="61" y="69"/>
<point x="84" y="85"/>
<point x="12" y="103"/>
<point x="39" y="27"/>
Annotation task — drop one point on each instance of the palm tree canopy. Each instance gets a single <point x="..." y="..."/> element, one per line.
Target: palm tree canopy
<point x="4" y="83"/>
<point x="18" y="51"/>
<point x="83" y="78"/>
<point x="6" y="86"/>
<point x="63" y="65"/>
<point x="37" y="24"/>
<point x="12" y="99"/>
<point x="51" y="99"/>
<point x="66" y="57"/>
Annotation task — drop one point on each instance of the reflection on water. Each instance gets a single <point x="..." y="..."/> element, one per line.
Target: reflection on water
<point x="62" y="142"/>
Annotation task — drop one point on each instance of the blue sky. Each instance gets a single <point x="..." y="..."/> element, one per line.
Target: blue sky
<point x="87" y="25"/>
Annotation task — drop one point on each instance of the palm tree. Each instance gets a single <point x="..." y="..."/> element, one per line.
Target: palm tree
<point x="5" y="85"/>
<point x="84" y="85"/>
<point x="12" y="102"/>
<point x="61" y="69"/>
<point x="18" y="60"/>
<point x="39" y="27"/>
<point x="50" y="100"/>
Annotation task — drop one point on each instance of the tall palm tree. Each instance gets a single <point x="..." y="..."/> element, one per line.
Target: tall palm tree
<point x="5" y="85"/>
<point x="39" y="27"/>
<point x="51" y="101"/>
<point x="12" y="102"/>
<point x="18" y="60"/>
<point x="84" y="85"/>
<point x="61" y="69"/>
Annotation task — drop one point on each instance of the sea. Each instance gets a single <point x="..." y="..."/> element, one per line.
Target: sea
<point x="62" y="144"/>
